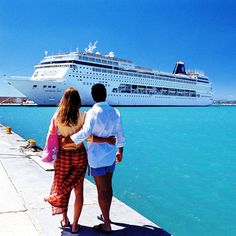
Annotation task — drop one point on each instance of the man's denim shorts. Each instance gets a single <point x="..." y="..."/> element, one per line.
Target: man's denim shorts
<point x="101" y="170"/>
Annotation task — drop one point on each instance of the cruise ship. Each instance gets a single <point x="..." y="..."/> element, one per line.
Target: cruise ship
<point x="127" y="84"/>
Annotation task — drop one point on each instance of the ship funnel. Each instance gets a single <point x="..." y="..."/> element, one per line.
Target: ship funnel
<point x="179" y="68"/>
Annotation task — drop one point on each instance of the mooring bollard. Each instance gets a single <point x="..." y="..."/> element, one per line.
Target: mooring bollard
<point x="32" y="143"/>
<point x="8" y="130"/>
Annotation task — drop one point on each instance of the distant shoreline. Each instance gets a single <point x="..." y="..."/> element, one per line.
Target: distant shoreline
<point x="223" y="105"/>
<point x="17" y="104"/>
<point x="20" y="104"/>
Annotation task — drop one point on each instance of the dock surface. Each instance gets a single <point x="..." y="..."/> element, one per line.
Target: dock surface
<point x="25" y="181"/>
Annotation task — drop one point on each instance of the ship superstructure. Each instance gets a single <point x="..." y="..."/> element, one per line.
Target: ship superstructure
<point x="126" y="83"/>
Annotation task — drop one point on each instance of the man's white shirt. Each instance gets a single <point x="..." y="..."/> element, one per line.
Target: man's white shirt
<point x="101" y="120"/>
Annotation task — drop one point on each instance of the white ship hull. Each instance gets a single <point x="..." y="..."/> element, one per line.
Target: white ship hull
<point x="51" y="97"/>
<point x="126" y="84"/>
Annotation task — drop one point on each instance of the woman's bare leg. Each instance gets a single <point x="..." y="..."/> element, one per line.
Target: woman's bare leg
<point x="65" y="220"/>
<point x="78" y="205"/>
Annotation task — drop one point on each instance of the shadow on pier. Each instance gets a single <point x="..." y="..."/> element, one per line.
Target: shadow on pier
<point x="124" y="230"/>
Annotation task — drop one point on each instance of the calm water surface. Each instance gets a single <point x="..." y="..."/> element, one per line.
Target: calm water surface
<point x="179" y="166"/>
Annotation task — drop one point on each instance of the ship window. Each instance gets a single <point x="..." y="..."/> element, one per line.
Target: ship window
<point x="34" y="86"/>
<point x="49" y="86"/>
<point x="54" y="86"/>
<point x="45" y="86"/>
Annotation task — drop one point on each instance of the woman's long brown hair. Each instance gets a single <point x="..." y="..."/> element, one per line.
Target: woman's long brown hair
<point x="68" y="108"/>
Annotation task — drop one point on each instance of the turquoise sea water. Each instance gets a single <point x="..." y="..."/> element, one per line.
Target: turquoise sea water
<point x="179" y="166"/>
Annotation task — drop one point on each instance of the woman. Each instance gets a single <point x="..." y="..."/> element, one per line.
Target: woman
<point x="71" y="163"/>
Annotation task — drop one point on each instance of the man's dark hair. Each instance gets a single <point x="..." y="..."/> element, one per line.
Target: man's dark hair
<point x="99" y="93"/>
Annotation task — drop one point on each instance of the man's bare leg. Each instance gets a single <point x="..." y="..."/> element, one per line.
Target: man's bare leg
<point x="104" y="199"/>
<point x="109" y="188"/>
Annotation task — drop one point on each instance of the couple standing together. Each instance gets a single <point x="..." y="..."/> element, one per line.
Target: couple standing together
<point x="101" y="127"/>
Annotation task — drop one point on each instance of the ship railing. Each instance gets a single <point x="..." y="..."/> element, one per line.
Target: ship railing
<point x="88" y="54"/>
<point x="13" y="77"/>
<point x="195" y="72"/>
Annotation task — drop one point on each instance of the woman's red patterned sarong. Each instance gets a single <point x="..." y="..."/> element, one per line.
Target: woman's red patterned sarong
<point x="70" y="167"/>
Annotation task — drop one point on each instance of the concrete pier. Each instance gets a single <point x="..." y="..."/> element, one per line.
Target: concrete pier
<point x="25" y="181"/>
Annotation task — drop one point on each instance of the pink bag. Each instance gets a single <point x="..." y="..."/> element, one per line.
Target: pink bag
<point x="51" y="146"/>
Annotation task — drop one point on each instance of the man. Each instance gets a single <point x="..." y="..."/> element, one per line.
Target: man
<point x="102" y="120"/>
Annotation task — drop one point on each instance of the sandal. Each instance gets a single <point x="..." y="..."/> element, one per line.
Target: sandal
<point x="100" y="229"/>
<point x="77" y="231"/>
<point x="66" y="225"/>
<point x="100" y="217"/>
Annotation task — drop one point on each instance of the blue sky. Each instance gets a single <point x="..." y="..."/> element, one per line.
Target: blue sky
<point x="152" y="33"/>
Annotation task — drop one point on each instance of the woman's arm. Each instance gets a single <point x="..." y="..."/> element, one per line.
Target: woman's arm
<point x="111" y="139"/>
<point x="53" y="129"/>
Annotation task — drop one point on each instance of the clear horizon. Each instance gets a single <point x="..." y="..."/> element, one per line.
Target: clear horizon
<point x="150" y="33"/>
